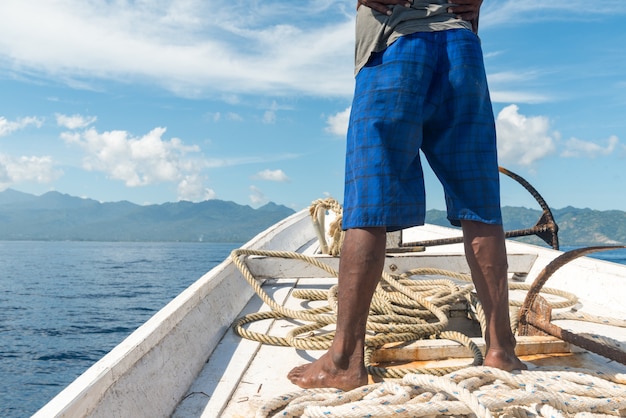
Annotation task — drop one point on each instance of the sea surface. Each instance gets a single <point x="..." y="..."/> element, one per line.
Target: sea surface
<point x="64" y="305"/>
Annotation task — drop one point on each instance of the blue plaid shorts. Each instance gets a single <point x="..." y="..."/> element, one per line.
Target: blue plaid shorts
<point x="427" y="91"/>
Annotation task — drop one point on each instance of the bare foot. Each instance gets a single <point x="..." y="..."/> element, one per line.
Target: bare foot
<point x="324" y="373"/>
<point x="504" y="360"/>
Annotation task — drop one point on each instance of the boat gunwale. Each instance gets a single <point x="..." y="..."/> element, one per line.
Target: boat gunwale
<point x="86" y="394"/>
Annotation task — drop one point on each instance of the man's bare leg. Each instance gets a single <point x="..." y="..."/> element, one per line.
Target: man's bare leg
<point x="360" y="267"/>
<point x="485" y="251"/>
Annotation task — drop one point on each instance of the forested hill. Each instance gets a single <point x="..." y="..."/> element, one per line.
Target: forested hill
<point x="577" y="227"/>
<point x="56" y="216"/>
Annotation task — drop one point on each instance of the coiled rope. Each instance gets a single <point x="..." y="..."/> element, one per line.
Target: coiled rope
<point x="318" y="211"/>
<point x="404" y="309"/>
<point x="474" y="392"/>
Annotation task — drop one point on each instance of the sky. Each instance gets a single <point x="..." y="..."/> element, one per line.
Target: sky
<point x="155" y="101"/>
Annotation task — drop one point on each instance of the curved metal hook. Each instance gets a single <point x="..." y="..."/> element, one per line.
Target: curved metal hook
<point x="545" y="228"/>
<point x="535" y="314"/>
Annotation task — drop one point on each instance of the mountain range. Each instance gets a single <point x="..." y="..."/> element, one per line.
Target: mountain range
<point x="60" y="217"/>
<point x="577" y="227"/>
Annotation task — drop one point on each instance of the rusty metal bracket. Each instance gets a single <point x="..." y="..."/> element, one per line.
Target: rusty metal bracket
<point x="535" y="314"/>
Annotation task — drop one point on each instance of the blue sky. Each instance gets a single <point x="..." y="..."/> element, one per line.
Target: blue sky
<point x="156" y="101"/>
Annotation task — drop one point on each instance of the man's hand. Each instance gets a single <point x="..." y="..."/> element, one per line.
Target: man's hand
<point x="382" y="6"/>
<point x="466" y="9"/>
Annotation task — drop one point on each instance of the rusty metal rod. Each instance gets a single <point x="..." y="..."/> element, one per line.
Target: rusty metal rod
<point x="604" y="350"/>
<point x="536" y="311"/>
<point x="546" y="227"/>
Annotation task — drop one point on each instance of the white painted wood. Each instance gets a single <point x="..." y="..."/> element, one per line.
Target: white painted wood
<point x="222" y="374"/>
<point x="265" y="267"/>
<point x="266" y="377"/>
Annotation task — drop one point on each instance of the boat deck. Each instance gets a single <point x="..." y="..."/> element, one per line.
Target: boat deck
<point x="187" y="358"/>
<point x="242" y="375"/>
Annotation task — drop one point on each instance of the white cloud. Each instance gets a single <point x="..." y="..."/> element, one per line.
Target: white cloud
<point x="215" y="117"/>
<point x="511" y="76"/>
<point x="231" y="99"/>
<point x="75" y="121"/>
<point x="488" y="55"/>
<point x="245" y="160"/>
<point x="272" y="175"/>
<point x="229" y="116"/>
<point x="575" y="147"/>
<point x="7" y="127"/>
<point x="500" y="85"/>
<point x="141" y="161"/>
<point x="191" y="188"/>
<point x="27" y="169"/>
<point x="523" y="140"/>
<point x="269" y="117"/>
<point x="195" y="48"/>
<point x="257" y="197"/>
<point x="234" y="117"/>
<point x="505" y="96"/>
<point x="337" y="124"/>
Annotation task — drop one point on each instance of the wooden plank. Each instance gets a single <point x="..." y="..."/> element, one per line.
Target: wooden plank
<point x="265" y="267"/>
<point x="429" y="350"/>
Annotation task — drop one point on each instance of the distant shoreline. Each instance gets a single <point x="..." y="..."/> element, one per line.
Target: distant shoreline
<point x="59" y="217"/>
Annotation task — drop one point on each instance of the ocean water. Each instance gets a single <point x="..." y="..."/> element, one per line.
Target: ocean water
<point x="614" y="256"/>
<point x="64" y="305"/>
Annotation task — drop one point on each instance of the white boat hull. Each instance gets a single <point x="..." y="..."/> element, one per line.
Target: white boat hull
<point x="161" y="369"/>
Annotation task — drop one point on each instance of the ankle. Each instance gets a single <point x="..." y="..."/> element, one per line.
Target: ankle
<point x="503" y="340"/>
<point x="345" y="361"/>
<point x="346" y="350"/>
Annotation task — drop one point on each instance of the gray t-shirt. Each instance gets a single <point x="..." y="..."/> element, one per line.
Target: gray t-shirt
<point x="376" y="31"/>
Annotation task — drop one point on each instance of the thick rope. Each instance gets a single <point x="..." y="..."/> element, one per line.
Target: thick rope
<point x="405" y="309"/>
<point x="474" y="391"/>
<point x="388" y="325"/>
<point x="402" y="309"/>
<point x="401" y="312"/>
<point x="317" y="211"/>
